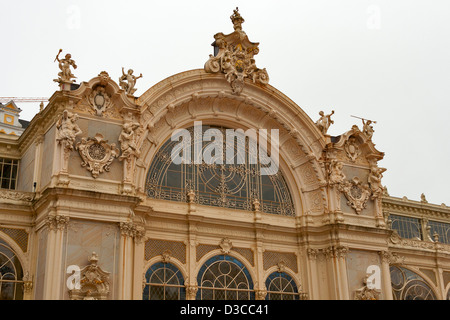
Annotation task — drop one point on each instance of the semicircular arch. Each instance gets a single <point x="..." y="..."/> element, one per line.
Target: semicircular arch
<point x="182" y="99"/>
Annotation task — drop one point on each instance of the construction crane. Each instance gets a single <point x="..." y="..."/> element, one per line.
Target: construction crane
<point x="22" y="99"/>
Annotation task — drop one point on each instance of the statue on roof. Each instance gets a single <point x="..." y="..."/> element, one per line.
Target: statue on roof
<point x="234" y="56"/>
<point x="64" y="65"/>
<point x="324" y="121"/>
<point x="128" y="80"/>
<point x="367" y="128"/>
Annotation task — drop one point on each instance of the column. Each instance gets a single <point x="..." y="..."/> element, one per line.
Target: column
<point x="340" y="255"/>
<point x="57" y="225"/>
<point x="386" y="285"/>
<point x="138" y="268"/>
<point x="313" y="284"/>
<point x="130" y="236"/>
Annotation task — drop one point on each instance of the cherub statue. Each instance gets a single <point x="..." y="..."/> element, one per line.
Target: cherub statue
<point x="127" y="81"/>
<point x="64" y="64"/>
<point x="324" y="121"/>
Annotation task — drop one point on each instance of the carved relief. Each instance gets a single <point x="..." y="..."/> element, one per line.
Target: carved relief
<point x="366" y="292"/>
<point x="97" y="154"/>
<point x="94" y="282"/>
<point x="16" y="195"/>
<point x="99" y="100"/>
<point x="335" y="173"/>
<point x="356" y="193"/>
<point x="235" y="57"/>
<point x="132" y="230"/>
<point x="352" y="149"/>
<point x="226" y="245"/>
<point x="57" y="222"/>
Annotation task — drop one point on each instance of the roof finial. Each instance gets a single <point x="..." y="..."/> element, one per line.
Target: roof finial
<point x="237" y="19"/>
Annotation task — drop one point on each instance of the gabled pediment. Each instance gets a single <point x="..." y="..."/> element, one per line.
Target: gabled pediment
<point x="10" y="107"/>
<point x="102" y="97"/>
<point x="355" y="146"/>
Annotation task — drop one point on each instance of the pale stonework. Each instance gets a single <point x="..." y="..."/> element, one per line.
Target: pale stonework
<point x="83" y="200"/>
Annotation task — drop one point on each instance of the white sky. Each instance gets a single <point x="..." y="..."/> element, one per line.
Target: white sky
<point x="387" y="61"/>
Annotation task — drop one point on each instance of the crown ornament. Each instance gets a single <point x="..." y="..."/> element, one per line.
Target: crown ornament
<point x="234" y="57"/>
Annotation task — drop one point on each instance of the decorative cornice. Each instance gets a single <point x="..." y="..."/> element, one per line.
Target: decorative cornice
<point x="16" y="195"/>
<point x="329" y="252"/>
<point x="398" y="242"/>
<point x="391" y="257"/>
<point x="417" y="208"/>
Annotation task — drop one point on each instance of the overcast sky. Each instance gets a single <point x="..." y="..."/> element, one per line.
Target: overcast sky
<point x="388" y="61"/>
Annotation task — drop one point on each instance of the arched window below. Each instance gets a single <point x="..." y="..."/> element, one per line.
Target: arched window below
<point x="11" y="274"/>
<point x="408" y="285"/>
<point x="224" y="278"/>
<point x="281" y="286"/>
<point x="163" y="281"/>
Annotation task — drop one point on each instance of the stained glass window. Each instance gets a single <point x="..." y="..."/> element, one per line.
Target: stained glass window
<point x="224" y="278"/>
<point x="11" y="274"/>
<point x="408" y="285"/>
<point x="281" y="286"/>
<point x="235" y="183"/>
<point x="164" y="281"/>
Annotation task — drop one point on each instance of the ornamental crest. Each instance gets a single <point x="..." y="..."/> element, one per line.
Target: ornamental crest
<point x="97" y="154"/>
<point x="356" y="193"/>
<point x="233" y="56"/>
<point x="93" y="283"/>
<point x="99" y="100"/>
<point x="352" y="149"/>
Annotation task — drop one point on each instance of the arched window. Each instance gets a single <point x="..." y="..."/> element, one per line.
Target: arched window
<point x="235" y="183"/>
<point x="281" y="286"/>
<point x="11" y="274"/>
<point x="163" y="281"/>
<point x="408" y="285"/>
<point x="224" y="278"/>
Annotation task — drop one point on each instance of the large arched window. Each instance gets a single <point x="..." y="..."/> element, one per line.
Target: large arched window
<point x="281" y="286"/>
<point x="235" y="183"/>
<point x="408" y="285"/>
<point x="163" y="281"/>
<point x="224" y="278"/>
<point x="11" y="274"/>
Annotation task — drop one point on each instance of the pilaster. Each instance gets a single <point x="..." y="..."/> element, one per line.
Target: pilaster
<point x="57" y="225"/>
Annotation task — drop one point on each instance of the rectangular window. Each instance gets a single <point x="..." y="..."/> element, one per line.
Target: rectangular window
<point x="406" y="227"/>
<point x="8" y="173"/>
<point x="442" y="229"/>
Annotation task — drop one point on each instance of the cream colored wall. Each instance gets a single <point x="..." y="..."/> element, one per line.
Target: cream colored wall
<point x="26" y="170"/>
<point x="48" y="151"/>
<point x="81" y="240"/>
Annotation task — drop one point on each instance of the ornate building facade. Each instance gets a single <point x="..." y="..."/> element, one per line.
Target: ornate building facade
<point x="94" y="207"/>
